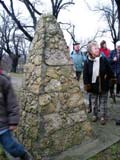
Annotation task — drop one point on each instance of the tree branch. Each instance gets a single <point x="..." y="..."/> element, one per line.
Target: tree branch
<point x="12" y="15"/>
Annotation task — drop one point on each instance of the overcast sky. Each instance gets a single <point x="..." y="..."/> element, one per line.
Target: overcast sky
<point x="86" y="22"/>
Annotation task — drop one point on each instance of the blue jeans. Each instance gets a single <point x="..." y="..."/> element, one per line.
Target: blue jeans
<point x="11" y="145"/>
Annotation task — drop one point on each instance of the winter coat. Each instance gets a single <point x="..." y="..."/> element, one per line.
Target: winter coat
<point x="103" y="81"/>
<point x="9" y="110"/>
<point x="78" y="60"/>
<point x="115" y="65"/>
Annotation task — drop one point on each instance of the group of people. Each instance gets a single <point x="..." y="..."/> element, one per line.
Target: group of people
<point x="101" y="71"/>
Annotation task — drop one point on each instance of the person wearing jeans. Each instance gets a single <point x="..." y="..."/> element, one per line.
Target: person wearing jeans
<point x="9" y="119"/>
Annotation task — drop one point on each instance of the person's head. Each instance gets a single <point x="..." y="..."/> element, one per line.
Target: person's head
<point x="103" y="44"/>
<point x="93" y="49"/>
<point x="76" y="46"/>
<point x="118" y="46"/>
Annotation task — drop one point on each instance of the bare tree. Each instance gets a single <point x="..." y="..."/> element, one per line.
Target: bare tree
<point x="32" y="11"/>
<point x="18" y="41"/>
<point x="57" y="5"/>
<point x="11" y="40"/>
<point x="118" y="9"/>
<point x="70" y="29"/>
<point x="110" y="14"/>
<point x="1" y="43"/>
<point x="30" y="7"/>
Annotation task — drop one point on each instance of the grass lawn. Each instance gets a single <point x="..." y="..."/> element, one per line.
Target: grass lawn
<point x="2" y="155"/>
<point x="112" y="153"/>
<point x="18" y="75"/>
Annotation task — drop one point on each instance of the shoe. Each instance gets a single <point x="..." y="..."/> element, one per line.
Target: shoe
<point x="94" y="118"/>
<point x="114" y="98"/>
<point x="27" y="156"/>
<point x="102" y="121"/>
<point x="118" y="95"/>
<point x="88" y="110"/>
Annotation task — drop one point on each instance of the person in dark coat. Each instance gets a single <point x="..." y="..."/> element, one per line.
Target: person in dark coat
<point x="114" y="60"/>
<point x="97" y="76"/>
<point x="9" y="119"/>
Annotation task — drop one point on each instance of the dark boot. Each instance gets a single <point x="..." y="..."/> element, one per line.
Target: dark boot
<point x="27" y="156"/>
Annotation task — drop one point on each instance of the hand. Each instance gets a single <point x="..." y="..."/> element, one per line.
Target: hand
<point x="87" y="87"/>
<point x="12" y="127"/>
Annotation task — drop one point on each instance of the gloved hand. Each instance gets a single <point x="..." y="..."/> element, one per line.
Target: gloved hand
<point x="87" y="87"/>
<point x="113" y="81"/>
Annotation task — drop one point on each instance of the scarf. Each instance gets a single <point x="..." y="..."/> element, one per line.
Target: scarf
<point x="96" y="68"/>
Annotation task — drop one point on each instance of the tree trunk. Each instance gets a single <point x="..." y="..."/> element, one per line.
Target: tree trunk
<point x="14" y="63"/>
<point x="118" y="8"/>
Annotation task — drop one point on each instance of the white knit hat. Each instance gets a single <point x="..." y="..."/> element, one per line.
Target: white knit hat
<point x="117" y="43"/>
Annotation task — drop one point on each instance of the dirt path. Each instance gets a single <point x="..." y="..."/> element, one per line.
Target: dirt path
<point x="17" y="82"/>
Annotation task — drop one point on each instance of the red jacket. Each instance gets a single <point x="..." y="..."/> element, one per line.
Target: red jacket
<point x="1" y="71"/>
<point x="106" y="51"/>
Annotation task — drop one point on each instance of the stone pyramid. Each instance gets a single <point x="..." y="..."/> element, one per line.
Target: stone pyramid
<point x="53" y="114"/>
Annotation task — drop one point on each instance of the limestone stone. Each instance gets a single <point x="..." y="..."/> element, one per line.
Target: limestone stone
<point x="75" y="100"/>
<point x="53" y="122"/>
<point x="34" y="88"/>
<point x="57" y="39"/>
<point x="30" y="119"/>
<point x="37" y="60"/>
<point x="62" y="139"/>
<point x="63" y="97"/>
<point x="53" y="85"/>
<point x="51" y="72"/>
<point x="38" y="80"/>
<point x="55" y="59"/>
<point x="28" y="67"/>
<point x="87" y="128"/>
<point x="37" y="71"/>
<point x="44" y="99"/>
<point x="78" y="116"/>
<point x="48" y="109"/>
<point x="32" y="108"/>
<point x="52" y="29"/>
